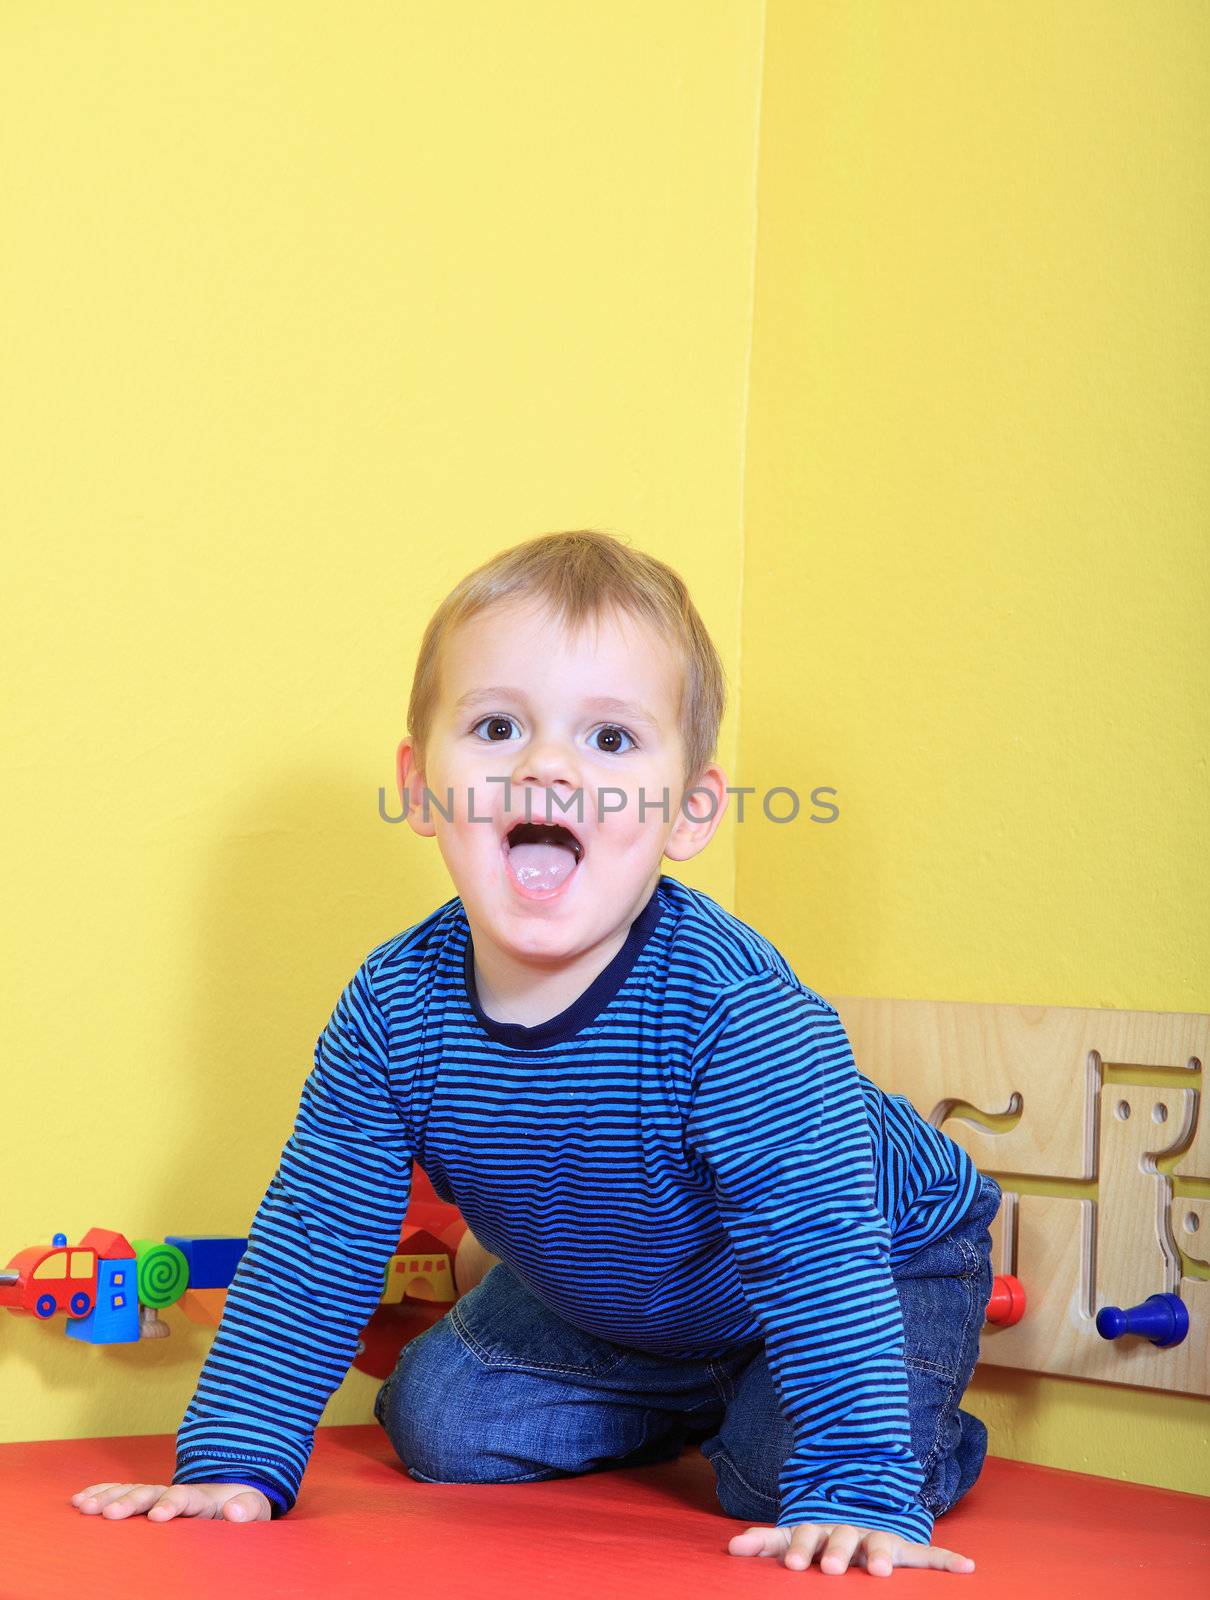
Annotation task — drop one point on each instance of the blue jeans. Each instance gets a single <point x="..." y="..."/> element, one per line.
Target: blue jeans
<point x="501" y="1390"/>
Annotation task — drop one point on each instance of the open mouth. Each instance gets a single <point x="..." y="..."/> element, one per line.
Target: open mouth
<point x="541" y="857"/>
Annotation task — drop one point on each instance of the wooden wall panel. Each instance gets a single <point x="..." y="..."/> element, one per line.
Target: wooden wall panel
<point x="1093" y="1123"/>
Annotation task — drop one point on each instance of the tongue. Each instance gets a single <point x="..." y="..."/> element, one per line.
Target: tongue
<point x="541" y="866"/>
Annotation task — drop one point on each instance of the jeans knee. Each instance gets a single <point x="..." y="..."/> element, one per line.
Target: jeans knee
<point x="738" y="1495"/>
<point x="411" y="1408"/>
<point x="971" y="1452"/>
<point x="956" y="1470"/>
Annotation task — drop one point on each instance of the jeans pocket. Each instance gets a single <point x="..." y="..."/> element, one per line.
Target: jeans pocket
<point x="503" y="1324"/>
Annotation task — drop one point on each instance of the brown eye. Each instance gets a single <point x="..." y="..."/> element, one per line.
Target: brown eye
<point x="494" y="725"/>
<point x="613" y="734"/>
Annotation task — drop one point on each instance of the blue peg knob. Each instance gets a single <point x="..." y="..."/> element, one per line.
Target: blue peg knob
<point x="1162" y="1318"/>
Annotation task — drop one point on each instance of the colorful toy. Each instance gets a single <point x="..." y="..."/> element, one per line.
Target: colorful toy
<point x="112" y="1289"/>
<point x="210" y="1259"/>
<point x="1162" y="1318"/>
<point x="115" y="1317"/>
<point x="438" y="1260"/>
<point x="1007" y="1303"/>
<point x="41" y="1281"/>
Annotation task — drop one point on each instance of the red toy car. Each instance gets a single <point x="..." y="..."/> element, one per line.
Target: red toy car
<point x="44" y="1279"/>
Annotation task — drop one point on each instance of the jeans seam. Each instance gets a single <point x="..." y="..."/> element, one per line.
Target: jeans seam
<point x="482" y="1354"/>
<point x="523" y="1477"/>
<point x="990" y="1186"/>
<point x="932" y="1502"/>
<point x="933" y="1367"/>
<point x="942" y="1412"/>
<point x="729" y="1460"/>
<point x="973" y="1256"/>
<point x="723" y="1381"/>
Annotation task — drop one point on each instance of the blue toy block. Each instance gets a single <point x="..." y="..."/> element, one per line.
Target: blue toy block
<point x="212" y="1258"/>
<point x="115" y="1317"/>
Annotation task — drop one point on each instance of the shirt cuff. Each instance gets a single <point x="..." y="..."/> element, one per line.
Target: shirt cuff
<point x="913" y="1523"/>
<point x="277" y="1502"/>
<point x="216" y="1471"/>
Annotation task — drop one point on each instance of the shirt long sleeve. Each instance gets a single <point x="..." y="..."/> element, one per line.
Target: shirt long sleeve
<point x="313" y="1270"/>
<point x="777" y="1119"/>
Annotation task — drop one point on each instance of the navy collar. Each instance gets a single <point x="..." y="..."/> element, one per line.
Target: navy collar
<point x="585" y="1008"/>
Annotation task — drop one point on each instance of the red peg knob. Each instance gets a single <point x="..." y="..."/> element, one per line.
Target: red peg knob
<point x="1007" y="1303"/>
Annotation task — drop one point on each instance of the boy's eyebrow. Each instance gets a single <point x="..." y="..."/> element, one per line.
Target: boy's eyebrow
<point x="621" y="708"/>
<point x="597" y="702"/>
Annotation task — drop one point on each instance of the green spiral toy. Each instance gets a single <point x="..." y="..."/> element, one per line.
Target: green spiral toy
<point x="163" y="1272"/>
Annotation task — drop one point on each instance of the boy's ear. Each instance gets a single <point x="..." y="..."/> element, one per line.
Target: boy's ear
<point x="410" y="779"/>
<point x="698" y="815"/>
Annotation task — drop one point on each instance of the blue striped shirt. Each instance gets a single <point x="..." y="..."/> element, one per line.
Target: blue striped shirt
<point x="684" y="1160"/>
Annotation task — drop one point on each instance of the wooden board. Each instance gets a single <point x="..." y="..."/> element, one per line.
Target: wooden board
<point x="1103" y="1109"/>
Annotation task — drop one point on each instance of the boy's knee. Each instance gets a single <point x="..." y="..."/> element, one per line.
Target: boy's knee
<point x="955" y="1472"/>
<point x="971" y="1452"/>
<point x="750" y="1447"/>
<point x="451" y="1420"/>
<point x="419" y="1410"/>
<point x="745" y="1486"/>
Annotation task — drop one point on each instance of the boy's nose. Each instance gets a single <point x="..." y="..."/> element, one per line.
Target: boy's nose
<point x="542" y="770"/>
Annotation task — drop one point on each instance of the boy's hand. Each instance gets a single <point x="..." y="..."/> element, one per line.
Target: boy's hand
<point x="234" y="1502"/>
<point x="872" y="1548"/>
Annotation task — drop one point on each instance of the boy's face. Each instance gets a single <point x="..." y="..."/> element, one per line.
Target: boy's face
<point x="523" y="701"/>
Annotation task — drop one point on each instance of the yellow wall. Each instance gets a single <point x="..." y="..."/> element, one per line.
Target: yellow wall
<point x="976" y="566"/>
<point x="304" y="315"/>
<point x="306" y="311"/>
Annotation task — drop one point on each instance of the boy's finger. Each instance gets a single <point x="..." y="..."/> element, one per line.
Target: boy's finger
<point x="93" y="1500"/>
<point x="839" y="1549"/>
<point x="931" y="1555"/>
<point x="881" y="1552"/>
<point x="759" y="1542"/>
<point x="86" y="1494"/>
<point x="97" y="1499"/>
<point x="173" y="1502"/>
<point x="249" y="1507"/>
<point x="904" y="1554"/>
<point x="950" y="1560"/>
<point x="131" y="1498"/>
<point x="805" y="1540"/>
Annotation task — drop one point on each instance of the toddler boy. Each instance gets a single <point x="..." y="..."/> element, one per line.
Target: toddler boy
<point x="711" y="1227"/>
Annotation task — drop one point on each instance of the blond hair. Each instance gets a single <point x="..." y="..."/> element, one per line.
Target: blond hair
<point x="581" y="576"/>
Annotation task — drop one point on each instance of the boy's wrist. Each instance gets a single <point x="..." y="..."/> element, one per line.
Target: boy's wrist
<point x="277" y="1502"/>
<point x="914" y="1523"/>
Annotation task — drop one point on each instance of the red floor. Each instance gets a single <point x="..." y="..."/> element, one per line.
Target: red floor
<point x="364" y="1528"/>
